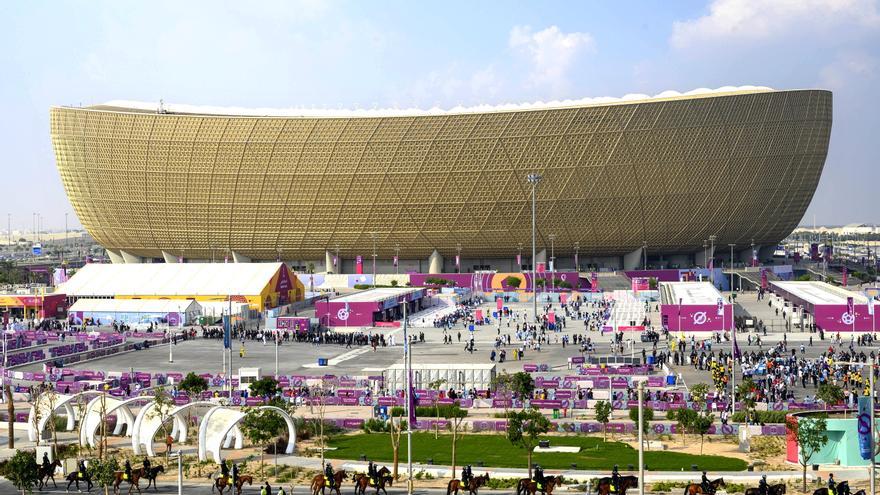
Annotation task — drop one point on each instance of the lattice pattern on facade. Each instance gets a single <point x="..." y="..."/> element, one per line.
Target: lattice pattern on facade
<point x="668" y="173"/>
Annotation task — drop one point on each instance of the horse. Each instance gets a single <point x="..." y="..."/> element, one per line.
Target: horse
<point x="363" y="481"/>
<point x="605" y="487"/>
<point x="842" y="489"/>
<point x="771" y="490"/>
<point x="151" y="475"/>
<point x="44" y="474"/>
<point x="133" y="480"/>
<point x="319" y="483"/>
<point x="75" y="477"/>
<point x="526" y="485"/>
<point x="222" y="482"/>
<point x="697" y="488"/>
<point x="472" y="486"/>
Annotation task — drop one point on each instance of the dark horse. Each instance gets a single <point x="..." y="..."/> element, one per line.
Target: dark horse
<point x="222" y="482"/>
<point x="76" y="477"/>
<point x="842" y="489"/>
<point x="697" y="488"/>
<point x="319" y="482"/>
<point x="772" y="490"/>
<point x="605" y="487"/>
<point x="363" y="481"/>
<point x="472" y="486"/>
<point x="526" y="485"/>
<point x="151" y="476"/>
<point x="44" y="474"/>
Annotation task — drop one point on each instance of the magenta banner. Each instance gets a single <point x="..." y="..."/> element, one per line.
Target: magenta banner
<point x="594" y="281"/>
<point x="696" y="317"/>
<point x="359" y="265"/>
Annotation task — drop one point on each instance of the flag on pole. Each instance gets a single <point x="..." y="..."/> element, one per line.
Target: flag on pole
<point x="720" y="307"/>
<point x="850" y="306"/>
<point x="457" y="261"/>
<point x="594" y="282"/>
<point x="359" y="265"/>
<point x="395" y="260"/>
<point x="519" y="260"/>
<point x="764" y="283"/>
<point x="754" y="257"/>
<point x="844" y="276"/>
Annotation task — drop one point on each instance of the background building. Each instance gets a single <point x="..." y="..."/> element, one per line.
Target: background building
<point x="666" y="173"/>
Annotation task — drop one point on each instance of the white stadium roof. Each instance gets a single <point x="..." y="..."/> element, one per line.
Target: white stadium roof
<point x="375" y="295"/>
<point x="167" y="279"/>
<point x="141" y="106"/>
<point x="818" y="293"/>
<point x="134" y="306"/>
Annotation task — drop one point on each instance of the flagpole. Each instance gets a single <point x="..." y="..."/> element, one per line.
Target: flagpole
<point x="409" y="403"/>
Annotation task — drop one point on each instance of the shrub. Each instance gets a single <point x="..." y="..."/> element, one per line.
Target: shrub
<point x="394" y="283"/>
<point x="513" y="282"/>
<point x="760" y="416"/>
<point x="361" y="286"/>
<point x="502" y="483"/>
<point x="431" y="411"/>
<point x="439" y="281"/>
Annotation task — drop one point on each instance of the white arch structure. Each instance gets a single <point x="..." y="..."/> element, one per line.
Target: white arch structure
<point x="219" y="428"/>
<point x="92" y="417"/>
<point x="147" y="423"/>
<point x="65" y="402"/>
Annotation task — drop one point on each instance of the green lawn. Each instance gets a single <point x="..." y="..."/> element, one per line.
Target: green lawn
<point x="496" y="451"/>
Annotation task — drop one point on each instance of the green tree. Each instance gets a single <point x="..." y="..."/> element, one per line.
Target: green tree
<point x="603" y="415"/>
<point x="701" y="426"/>
<point x="21" y="470"/>
<point x="523" y="429"/>
<point x="829" y="394"/>
<point x="810" y="434"/>
<point x="455" y="415"/>
<point x="512" y="282"/>
<point x="163" y="404"/>
<point x="265" y="387"/>
<point x="685" y="419"/>
<point x="262" y="426"/>
<point x="522" y="384"/>
<point x="397" y="425"/>
<point x="193" y="385"/>
<point x="745" y="394"/>
<point x="436" y="385"/>
<point x="103" y="472"/>
<point x="698" y="393"/>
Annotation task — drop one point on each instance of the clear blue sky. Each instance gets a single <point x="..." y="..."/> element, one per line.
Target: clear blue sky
<point x="383" y="54"/>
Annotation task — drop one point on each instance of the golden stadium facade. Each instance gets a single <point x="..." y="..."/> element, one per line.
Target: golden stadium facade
<point x="667" y="172"/>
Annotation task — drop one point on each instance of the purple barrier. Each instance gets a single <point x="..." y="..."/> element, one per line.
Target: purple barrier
<point x="656" y="381"/>
<point x="387" y="401"/>
<point x="181" y="400"/>
<point x="577" y="360"/>
<point x="483" y="426"/>
<point x="349" y="401"/>
<point x="254" y="401"/>
<point x="546" y="404"/>
<point x="352" y="423"/>
<point x="564" y="394"/>
<point x="502" y="403"/>
<point x="619" y="382"/>
<point x="773" y="430"/>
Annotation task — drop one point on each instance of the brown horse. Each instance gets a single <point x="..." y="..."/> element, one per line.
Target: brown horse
<point x="697" y="488"/>
<point x="44" y="474"/>
<point x="222" y="483"/>
<point x="319" y="483"/>
<point x="472" y="486"/>
<point x="362" y="481"/>
<point x="772" y="490"/>
<point x="605" y="487"/>
<point x="136" y="475"/>
<point x="526" y="485"/>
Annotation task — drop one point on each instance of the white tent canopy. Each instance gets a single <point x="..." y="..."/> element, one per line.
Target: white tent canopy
<point x="189" y="307"/>
<point x="167" y="279"/>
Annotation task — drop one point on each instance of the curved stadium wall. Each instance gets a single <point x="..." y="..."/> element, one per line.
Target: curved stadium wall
<point x="667" y="172"/>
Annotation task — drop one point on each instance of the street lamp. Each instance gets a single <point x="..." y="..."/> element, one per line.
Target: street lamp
<point x="534" y="179"/>
<point x="645" y="255"/>
<point x="552" y="262"/>
<point x="396" y="259"/>
<point x="577" y="247"/>
<point x="731" y="266"/>
<point x="712" y="255"/>
<point x="373" y="234"/>
<point x="458" y="257"/>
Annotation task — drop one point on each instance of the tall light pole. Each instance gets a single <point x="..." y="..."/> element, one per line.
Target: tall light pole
<point x="458" y="257"/>
<point x="705" y="256"/>
<point x="552" y="261"/>
<point x="577" y="265"/>
<point x="373" y="234"/>
<point x="641" y="440"/>
<point x="519" y="258"/>
<point x="534" y="179"/>
<point x="645" y="255"/>
<point x="731" y="266"/>
<point x="396" y="259"/>
<point x="712" y="255"/>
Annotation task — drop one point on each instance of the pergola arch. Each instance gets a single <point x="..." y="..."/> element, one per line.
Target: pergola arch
<point x="92" y="417"/>
<point x="147" y="424"/>
<point x="65" y="402"/>
<point x="219" y="428"/>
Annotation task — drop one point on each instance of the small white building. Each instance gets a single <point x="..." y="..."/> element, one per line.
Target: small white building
<point x="458" y="376"/>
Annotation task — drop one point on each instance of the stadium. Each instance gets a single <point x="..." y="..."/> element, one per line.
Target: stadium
<point x="621" y="180"/>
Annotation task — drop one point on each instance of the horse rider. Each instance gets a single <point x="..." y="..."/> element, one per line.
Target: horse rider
<point x="328" y="474"/>
<point x="466" y="474"/>
<point x="82" y="469"/>
<point x="224" y="469"/>
<point x="46" y="463"/>
<point x="832" y="485"/>
<point x="539" y="476"/>
<point x="615" y="479"/>
<point x="127" y="474"/>
<point x="763" y="487"/>
<point x="147" y="466"/>
<point x="371" y="472"/>
<point x="705" y="484"/>
<point x="234" y="473"/>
